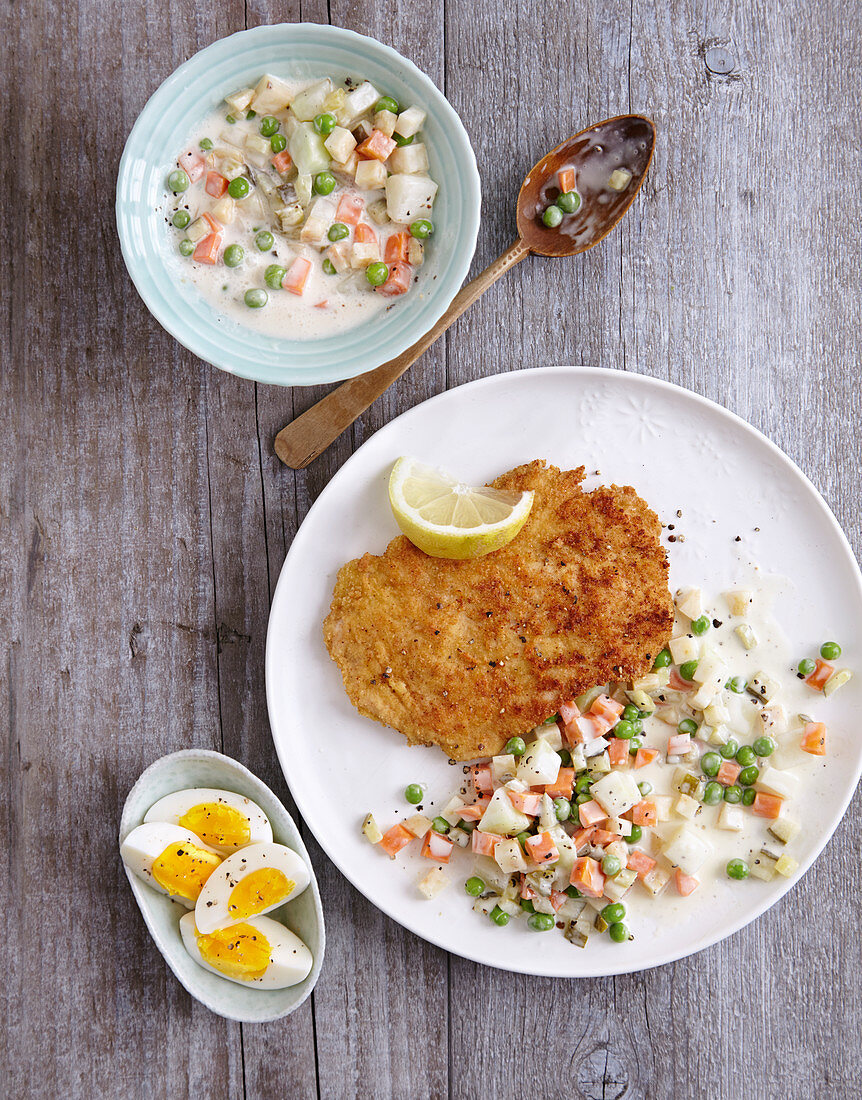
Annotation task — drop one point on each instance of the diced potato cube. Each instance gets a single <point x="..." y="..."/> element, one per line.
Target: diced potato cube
<point x="653" y="681"/>
<point x="539" y="765"/>
<point x="705" y="695"/>
<point x="690" y="602"/>
<point x="335" y="100"/>
<point x="224" y="210"/>
<point x="384" y="121"/>
<point x="347" y="167"/>
<point x="731" y="818"/>
<point x="620" y="179"/>
<point x="711" y="669"/>
<point x="340" y="144"/>
<point x="684" y="648"/>
<point x="687" y="850"/>
<point x="510" y="856"/>
<point x="198" y="230"/>
<point x="616" y="793"/>
<point x="663" y="804"/>
<point x="763" y="687"/>
<point x="339" y="256"/>
<point x="409" y="197"/>
<point x="409" y="158"/>
<point x="773" y="719"/>
<point x="418" y="824"/>
<point x="620" y="825"/>
<point x="656" y="880"/>
<point x="718" y="735"/>
<point x="371" y="830"/>
<point x="500" y="815"/>
<point x="579" y="758"/>
<point x="600" y="765"/>
<point x="239" y="101"/>
<point x="431" y="884"/>
<point x="763" y="866"/>
<point x="777" y="782"/>
<point x="231" y="167"/>
<point x="370" y="174"/>
<point x="314" y="231"/>
<point x="686" y="806"/>
<point x="410" y="122"/>
<point x="746" y="635"/>
<point x="311" y="101"/>
<point x="357" y="103"/>
<point x="549" y="731"/>
<point x="270" y="95"/>
<point x="485" y="906"/>
<point x="716" y="713"/>
<point x="258" y="144"/>
<point x="784" y="829"/>
<point x="739" y="601"/>
<point x="786" y="866"/>
<point x="837" y="680"/>
<point x="504" y="768"/>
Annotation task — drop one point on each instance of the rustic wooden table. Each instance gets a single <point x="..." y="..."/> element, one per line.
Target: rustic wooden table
<point x="144" y="519"/>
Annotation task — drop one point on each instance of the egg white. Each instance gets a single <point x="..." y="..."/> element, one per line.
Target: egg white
<point x="211" y="911"/>
<point x="290" y="960"/>
<point x="143" y="846"/>
<point x="173" y="806"/>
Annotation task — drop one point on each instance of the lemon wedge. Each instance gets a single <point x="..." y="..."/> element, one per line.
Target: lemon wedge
<point x="447" y="519"/>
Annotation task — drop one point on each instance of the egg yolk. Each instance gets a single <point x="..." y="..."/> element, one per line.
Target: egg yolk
<point x="182" y="869"/>
<point x="258" y="890"/>
<point x="218" y="824"/>
<point x="240" y="951"/>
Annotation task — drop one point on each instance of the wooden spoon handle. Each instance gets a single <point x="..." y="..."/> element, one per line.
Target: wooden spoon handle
<point x="312" y="432"/>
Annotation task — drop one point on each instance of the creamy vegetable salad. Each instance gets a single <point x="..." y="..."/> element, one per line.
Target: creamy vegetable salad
<point x="303" y="208"/>
<point x="636" y="790"/>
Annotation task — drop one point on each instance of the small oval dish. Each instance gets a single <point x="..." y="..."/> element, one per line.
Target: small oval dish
<point x="304" y="916"/>
<point x="292" y="51"/>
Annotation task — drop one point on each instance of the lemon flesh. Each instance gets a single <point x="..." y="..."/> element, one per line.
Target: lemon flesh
<point x="447" y="519"/>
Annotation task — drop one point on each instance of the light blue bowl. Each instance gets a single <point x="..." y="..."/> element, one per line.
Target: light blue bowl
<point x="298" y="51"/>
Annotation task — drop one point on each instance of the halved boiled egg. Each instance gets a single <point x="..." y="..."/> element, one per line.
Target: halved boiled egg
<point x="170" y="859"/>
<point x="249" y="883"/>
<point x="258" y="951"/>
<point x="223" y="820"/>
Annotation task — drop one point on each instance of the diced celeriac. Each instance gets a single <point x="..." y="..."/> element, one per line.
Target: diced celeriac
<point x="718" y="735"/>
<point x="716" y="713"/>
<point x="459" y="837"/>
<point x="687" y="850"/>
<point x="340" y="144"/>
<point x="409" y="197"/>
<point x="431" y="884"/>
<point x="746" y="635"/>
<point x="409" y="158"/>
<point x="663" y="805"/>
<point x="686" y="806"/>
<point x="784" y="829"/>
<point x="539" y="765"/>
<point x="415" y="252"/>
<point x="357" y="103"/>
<point x="504" y="768"/>
<point x="410" y="121"/>
<point x="763" y="687"/>
<point x="361" y="255"/>
<point x="690" y="602"/>
<point x="335" y="100"/>
<point x="616" y="793"/>
<point x="224" y="210"/>
<point x="239" y="101"/>
<point x="270" y="95"/>
<point x="773" y="719"/>
<point x="510" y="856"/>
<point x="777" y="782"/>
<point x="371" y="830"/>
<point x="763" y="866"/>
<point x="620" y="179"/>
<point x="684" y="648"/>
<point x="198" y="230"/>
<point x="384" y="121"/>
<point x="739" y="601"/>
<point x="549" y="731"/>
<point x="786" y="866"/>
<point x="731" y="817"/>
<point x="501" y="817"/>
<point x="656" y="880"/>
<point x="310" y="101"/>
<point x="370" y="174"/>
<point x="450" y="810"/>
<point x="339" y="256"/>
<point x="417" y="824"/>
<point x="600" y="765"/>
<point x="620" y="825"/>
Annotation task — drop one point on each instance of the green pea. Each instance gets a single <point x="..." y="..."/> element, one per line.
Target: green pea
<point x="737" y="684"/>
<point x="635" y="835"/>
<point x="206" y="144"/>
<point x="729" y="749"/>
<point x="269" y="126"/>
<point x="387" y="103"/>
<point x="614" y="913"/>
<point x="634" y="745"/>
<point x="637" y="727"/>
<point x="413" y="794"/>
<point x="631" y="713"/>
<point x="250" y="114"/>
<point x="178" y="181"/>
<point x="541" y="922"/>
<point x="527" y="905"/>
<point x="569" y="202"/>
<point x="238" y="187"/>
<point x="186" y="247"/>
<point x="618" y="932"/>
<point x="278" y="143"/>
<point x="474" y="887"/>
<point x="733" y="794"/>
<point x="807" y="666"/>
<point x="229" y="119"/>
<point x="738" y="868"/>
<point x="181" y="219"/>
<point x="338" y="231"/>
<point x="499" y="917"/>
<point x="324" y="183"/>
<point x="264" y="241"/>
<point x="713" y="793"/>
<point x="565" y="757"/>
<point x="256" y="298"/>
<point x="421" y="229"/>
<point x="748" y="776"/>
<point x="687" y="670"/>
<point x="522" y="838"/>
<point x="572" y="892"/>
<point x="325" y="123"/>
<point x="440" y="825"/>
<point x="611" y="865"/>
<point x="402" y="141"/>
<point x="764" y="746"/>
<point x="583" y="798"/>
<point x="663" y="660"/>
<point x="377" y="273"/>
<point x="515" y="746"/>
<point x="274" y="275"/>
<point x="645" y="787"/>
<point x="700" y="626"/>
<point x="745" y="756"/>
<point x="830" y="651"/>
<point x="710" y="762"/>
<point x="583" y="783"/>
<point x="328" y="267"/>
<point x="563" y="808"/>
<point x="687" y="725"/>
<point x="624" y="729"/>
<point x="748" y="796"/>
<point x="233" y="255"/>
<point x="552" y="217"/>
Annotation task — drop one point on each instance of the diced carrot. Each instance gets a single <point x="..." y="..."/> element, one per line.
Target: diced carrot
<point x="349" y="209"/>
<point x="483" y="844"/>
<point x="297" y="275"/>
<point x="677" y="682"/>
<point x="685" y="884"/>
<point x="558" y="900"/>
<point x="541" y="848"/>
<point x="364" y="234"/>
<point x="644" y="757"/>
<point x="814" y="739"/>
<point x="569" y="712"/>
<point x="822" y="672"/>
<point x="587" y="877"/>
<point x="592" y="726"/>
<point x="678" y="744"/>
<point x="644" y="813"/>
<point x="481" y="774"/>
<point x="602" y="837"/>
<point x="398" y="281"/>
<point x="215" y="226"/>
<point x="564" y="784"/>
<point x="216" y="184"/>
<point x="281" y="162"/>
<point x="395" y="839"/>
<point x="566" y="179"/>
<point x="605" y="707"/>
<point x="591" y="813"/>
<point x="528" y="802"/>
<point x="728" y="772"/>
<point x="192" y="165"/>
<point x="618" y="752"/>
<point x="475" y="810"/>
<point x="377" y="146"/>
<point x="572" y="732"/>
<point x="583" y="837"/>
<point x="396" y="247"/>
<point x="640" y="862"/>
<point x="321" y="305"/>
<point x="438" y="847"/>
<point x="766" y="805"/>
<point x="527" y="891"/>
<point x="208" y="249"/>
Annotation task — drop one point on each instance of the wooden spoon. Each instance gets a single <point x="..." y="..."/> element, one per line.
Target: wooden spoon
<point x="610" y="161"/>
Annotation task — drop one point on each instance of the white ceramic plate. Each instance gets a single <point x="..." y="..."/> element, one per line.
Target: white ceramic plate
<point x="681" y="452"/>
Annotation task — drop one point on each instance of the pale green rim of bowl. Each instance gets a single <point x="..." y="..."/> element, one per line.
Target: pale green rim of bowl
<point x="177" y="106"/>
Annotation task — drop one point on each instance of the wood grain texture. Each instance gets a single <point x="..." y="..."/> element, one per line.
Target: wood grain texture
<point x="144" y="518"/>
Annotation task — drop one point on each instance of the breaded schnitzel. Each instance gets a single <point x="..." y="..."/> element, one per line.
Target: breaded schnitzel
<point x="466" y="654"/>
